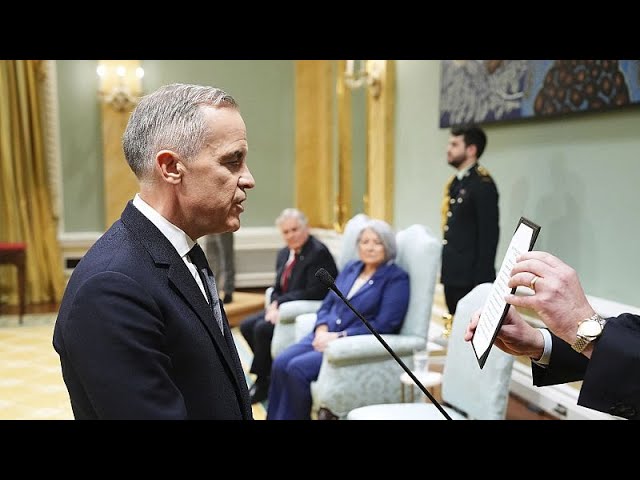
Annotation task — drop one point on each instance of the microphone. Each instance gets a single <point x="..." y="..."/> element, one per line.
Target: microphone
<point x="328" y="281"/>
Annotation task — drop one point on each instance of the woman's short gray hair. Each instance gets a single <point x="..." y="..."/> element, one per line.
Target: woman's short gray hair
<point x="385" y="233"/>
<point x="170" y="118"/>
<point x="292" y="213"/>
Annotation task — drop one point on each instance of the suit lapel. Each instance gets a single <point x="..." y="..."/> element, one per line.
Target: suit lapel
<point x="347" y="280"/>
<point x="369" y="283"/>
<point x="298" y="267"/>
<point x="180" y="279"/>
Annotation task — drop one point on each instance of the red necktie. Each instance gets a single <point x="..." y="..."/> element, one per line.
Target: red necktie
<point x="286" y="274"/>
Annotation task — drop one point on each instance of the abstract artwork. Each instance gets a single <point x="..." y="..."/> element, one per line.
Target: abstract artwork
<point x="483" y="91"/>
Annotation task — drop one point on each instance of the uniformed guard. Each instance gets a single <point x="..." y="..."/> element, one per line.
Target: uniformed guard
<point x="470" y="217"/>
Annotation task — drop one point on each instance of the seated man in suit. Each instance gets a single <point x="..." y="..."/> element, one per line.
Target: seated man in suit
<point x="296" y="265"/>
<point x="377" y="288"/>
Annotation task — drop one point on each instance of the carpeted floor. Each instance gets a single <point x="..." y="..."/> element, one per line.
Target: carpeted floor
<point x="31" y="385"/>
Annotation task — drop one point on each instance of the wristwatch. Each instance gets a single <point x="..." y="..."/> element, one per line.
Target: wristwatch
<point x="589" y="330"/>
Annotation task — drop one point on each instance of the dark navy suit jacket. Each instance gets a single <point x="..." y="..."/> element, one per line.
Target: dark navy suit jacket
<point x="137" y="339"/>
<point x="611" y="378"/>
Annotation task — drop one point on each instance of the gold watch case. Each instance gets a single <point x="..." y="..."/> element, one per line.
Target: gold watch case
<point x="588" y="330"/>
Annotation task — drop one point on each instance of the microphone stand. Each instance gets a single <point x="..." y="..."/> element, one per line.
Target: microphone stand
<point x="390" y="350"/>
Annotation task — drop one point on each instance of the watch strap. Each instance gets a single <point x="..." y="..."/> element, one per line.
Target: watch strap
<point x="580" y="344"/>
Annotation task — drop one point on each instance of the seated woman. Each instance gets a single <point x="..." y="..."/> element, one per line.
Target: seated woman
<point x="375" y="286"/>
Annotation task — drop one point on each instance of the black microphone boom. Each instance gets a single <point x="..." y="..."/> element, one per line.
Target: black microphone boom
<point x="329" y="282"/>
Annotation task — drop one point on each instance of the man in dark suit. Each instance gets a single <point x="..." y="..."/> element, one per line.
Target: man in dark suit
<point x="577" y="343"/>
<point x="470" y="218"/>
<point x="141" y="333"/>
<point x="296" y="266"/>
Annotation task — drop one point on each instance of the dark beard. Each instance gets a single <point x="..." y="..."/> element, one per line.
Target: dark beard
<point x="457" y="161"/>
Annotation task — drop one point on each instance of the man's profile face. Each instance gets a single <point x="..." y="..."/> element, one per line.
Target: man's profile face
<point x="456" y="151"/>
<point x="293" y="233"/>
<point x="215" y="181"/>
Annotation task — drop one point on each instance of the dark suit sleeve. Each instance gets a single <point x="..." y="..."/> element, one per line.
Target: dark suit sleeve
<point x="612" y="380"/>
<point x="565" y="365"/>
<point x="611" y="383"/>
<point x="115" y="340"/>
<point x="486" y="204"/>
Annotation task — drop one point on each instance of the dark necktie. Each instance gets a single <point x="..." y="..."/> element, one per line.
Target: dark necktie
<point x="200" y="260"/>
<point x="286" y="274"/>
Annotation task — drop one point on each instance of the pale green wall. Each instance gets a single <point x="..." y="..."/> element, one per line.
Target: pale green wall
<point x="576" y="176"/>
<point x="264" y="90"/>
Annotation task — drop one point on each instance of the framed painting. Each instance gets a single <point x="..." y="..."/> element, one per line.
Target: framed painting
<point x="483" y="91"/>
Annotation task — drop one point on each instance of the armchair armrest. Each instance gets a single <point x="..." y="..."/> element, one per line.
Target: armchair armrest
<point x="366" y="348"/>
<point x="290" y="310"/>
<point x="267" y="297"/>
<point x="286" y="330"/>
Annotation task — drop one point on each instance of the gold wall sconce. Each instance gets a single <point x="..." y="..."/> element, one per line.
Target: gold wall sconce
<point x="367" y="74"/>
<point x="120" y="83"/>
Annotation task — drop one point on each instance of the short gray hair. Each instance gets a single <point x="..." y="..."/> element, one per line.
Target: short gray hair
<point x="292" y="213"/>
<point x="170" y="118"/>
<point x="386" y="234"/>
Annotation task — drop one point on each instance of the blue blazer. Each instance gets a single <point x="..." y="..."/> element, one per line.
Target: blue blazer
<point x="383" y="301"/>
<point x="137" y="339"/>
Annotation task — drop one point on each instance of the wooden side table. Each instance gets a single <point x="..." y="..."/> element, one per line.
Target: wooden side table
<point x="16" y="254"/>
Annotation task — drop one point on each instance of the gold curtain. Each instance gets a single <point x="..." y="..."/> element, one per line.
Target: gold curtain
<point x="26" y="210"/>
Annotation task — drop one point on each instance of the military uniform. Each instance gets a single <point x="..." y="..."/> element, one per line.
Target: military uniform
<point x="470" y="233"/>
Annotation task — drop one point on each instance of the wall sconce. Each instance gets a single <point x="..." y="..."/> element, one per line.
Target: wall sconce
<point x="120" y="83"/>
<point x="368" y="73"/>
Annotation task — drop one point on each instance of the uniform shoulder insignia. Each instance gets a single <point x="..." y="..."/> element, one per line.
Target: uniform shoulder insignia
<point x="484" y="173"/>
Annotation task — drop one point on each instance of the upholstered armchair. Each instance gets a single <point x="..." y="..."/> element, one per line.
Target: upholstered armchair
<point x="468" y="392"/>
<point x="285" y="332"/>
<point x="358" y="370"/>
